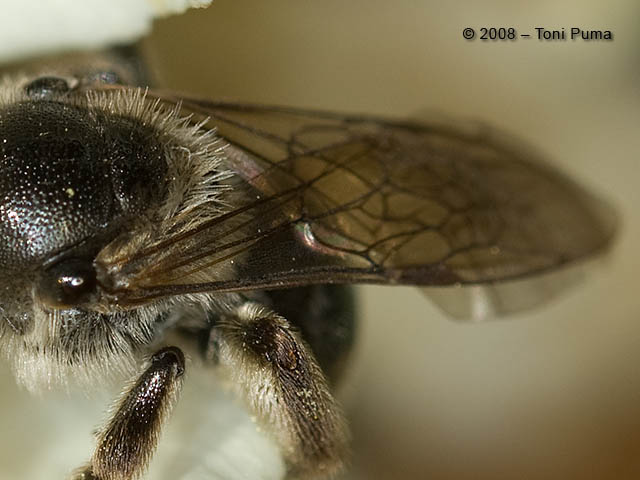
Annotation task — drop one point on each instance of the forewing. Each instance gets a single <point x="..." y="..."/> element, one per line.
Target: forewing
<point x="333" y="198"/>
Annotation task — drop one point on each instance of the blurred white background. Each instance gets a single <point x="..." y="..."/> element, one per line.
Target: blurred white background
<point x="548" y="394"/>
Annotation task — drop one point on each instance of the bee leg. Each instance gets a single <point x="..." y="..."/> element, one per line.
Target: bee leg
<point x="127" y="442"/>
<point x="325" y="315"/>
<point x="278" y="376"/>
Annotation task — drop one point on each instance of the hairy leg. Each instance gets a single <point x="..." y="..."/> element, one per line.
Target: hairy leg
<point x="127" y="442"/>
<point x="325" y="315"/>
<point x="277" y="375"/>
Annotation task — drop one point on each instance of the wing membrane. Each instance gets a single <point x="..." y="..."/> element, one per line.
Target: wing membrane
<point x="342" y="199"/>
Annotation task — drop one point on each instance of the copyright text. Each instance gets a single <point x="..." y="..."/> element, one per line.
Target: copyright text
<point x="542" y="34"/>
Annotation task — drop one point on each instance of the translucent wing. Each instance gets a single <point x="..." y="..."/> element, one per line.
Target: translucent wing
<point x="494" y="300"/>
<point x="344" y="199"/>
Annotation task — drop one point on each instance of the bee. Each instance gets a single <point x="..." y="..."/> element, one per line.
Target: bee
<point x="137" y="224"/>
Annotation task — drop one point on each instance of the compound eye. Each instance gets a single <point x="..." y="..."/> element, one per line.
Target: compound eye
<point x="69" y="283"/>
<point x="46" y="87"/>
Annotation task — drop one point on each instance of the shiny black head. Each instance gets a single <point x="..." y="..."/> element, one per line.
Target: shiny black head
<point x="70" y="178"/>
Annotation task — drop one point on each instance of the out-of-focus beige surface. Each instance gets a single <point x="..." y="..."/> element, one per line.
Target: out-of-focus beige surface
<point x="32" y="28"/>
<point x="548" y="394"/>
